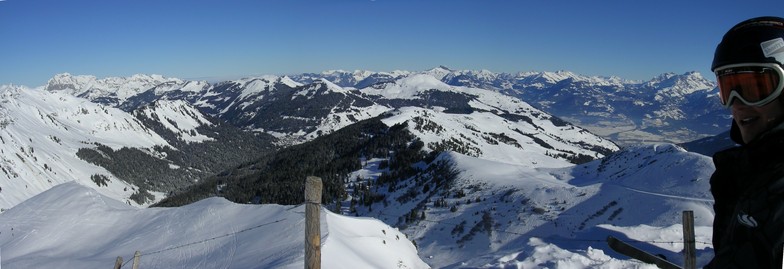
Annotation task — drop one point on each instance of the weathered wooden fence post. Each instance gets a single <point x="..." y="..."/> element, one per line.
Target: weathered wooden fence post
<point x="118" y="263"/>
<point x="689" y="243"/>
<point x="313" y="188"/>
<point x="136" y="259"/>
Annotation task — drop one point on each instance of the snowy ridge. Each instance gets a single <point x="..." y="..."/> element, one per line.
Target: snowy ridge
<point x="321" y="87"/>
<point x="254" y="86"/>
<point x="673" y="86"/>
<point x="351" y="78"/>
<point x="180" y="118"/>
<point x="488" y="136"/>
<point x="408" y="87"/>
<point x="177" y="85"/>
<point x="73" y="226"/>
<point x="41" y="133"/>
<point x="120" y="88"/>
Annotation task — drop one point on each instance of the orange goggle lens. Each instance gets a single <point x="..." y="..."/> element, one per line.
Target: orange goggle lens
<point x="753" y="85"/>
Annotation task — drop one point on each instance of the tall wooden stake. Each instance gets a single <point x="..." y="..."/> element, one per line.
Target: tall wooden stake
<point x="118" y="263"/>
<point x="313" y="188"/>
<point x="136" y="260"/>
<point x="689" y="246"/>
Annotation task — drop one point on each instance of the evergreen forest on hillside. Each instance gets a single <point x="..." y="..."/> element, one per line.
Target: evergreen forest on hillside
<point x="279" y="178"/>
<point x="167" y="169"/>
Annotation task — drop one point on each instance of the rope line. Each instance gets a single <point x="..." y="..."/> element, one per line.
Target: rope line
<point x="213" y="238"/>
<point x="204" y="241"/>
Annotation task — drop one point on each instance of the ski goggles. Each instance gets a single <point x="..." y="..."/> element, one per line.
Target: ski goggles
<point x="754" y="84"/>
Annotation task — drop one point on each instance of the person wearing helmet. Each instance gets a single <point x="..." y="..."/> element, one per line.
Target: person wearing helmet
<point x="748" y="184"/>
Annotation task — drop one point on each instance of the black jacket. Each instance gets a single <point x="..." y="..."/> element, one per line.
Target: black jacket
<point x="748" y="189"/>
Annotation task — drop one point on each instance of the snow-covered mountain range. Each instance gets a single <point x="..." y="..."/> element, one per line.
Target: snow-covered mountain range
<point x="670" y="108"/>
<point x="298" y="112"/>
<point x="51" y="137"/>
<point x="530" y="188"/>
<point x="120" y="133"/>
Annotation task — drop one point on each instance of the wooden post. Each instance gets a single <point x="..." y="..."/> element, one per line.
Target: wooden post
<point x="689" y="246"/>
<point x="118" y="263"/>
<point x="136" y="259"/>
<point x="312" y="223"/>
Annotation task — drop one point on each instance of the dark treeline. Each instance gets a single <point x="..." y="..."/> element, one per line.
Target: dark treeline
<point x="170" y="169"/>
<point x="279" y="178"/>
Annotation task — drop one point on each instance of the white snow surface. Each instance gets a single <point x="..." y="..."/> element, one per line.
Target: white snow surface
<point x="491" y="137"/>
<point x="40" y="133"/>
<point x="409" y="87"/>
<point x="73" y="226"/>
<point x="179" y="117"/>
<point x="559" y="217"/>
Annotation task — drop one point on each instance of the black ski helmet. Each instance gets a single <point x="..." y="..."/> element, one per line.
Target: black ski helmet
<point x="757" y="40"/>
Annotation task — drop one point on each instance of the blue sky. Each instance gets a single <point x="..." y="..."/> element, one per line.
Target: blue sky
<point x="199" y="39"/>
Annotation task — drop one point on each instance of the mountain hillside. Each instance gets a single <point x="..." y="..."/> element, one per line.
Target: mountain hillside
<point x="51" y="137"/>
<point x="434" y="117"/>
<point x="463" y="211"/>
<point x="498" y="214"/>
<point x="41" y="133"/>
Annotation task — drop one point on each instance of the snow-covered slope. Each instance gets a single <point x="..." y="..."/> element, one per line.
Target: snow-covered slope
<point x="41" y="132"/>
<point x="488" y="125"/>
<point x="178" y="117"/>
<point x="501" y="215"/>
<point x="73" y="226"/>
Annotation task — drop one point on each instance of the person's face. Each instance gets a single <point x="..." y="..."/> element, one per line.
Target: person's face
<point x="754" y="120"/>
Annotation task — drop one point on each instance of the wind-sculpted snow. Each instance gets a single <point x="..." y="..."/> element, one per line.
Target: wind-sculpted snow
<point x="72" y="226"/>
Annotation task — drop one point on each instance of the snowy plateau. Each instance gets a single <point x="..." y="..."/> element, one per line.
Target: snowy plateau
<point x="530" y="190"/>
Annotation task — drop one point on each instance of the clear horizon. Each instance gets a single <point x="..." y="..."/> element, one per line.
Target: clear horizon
<point x="224" y="39"/>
